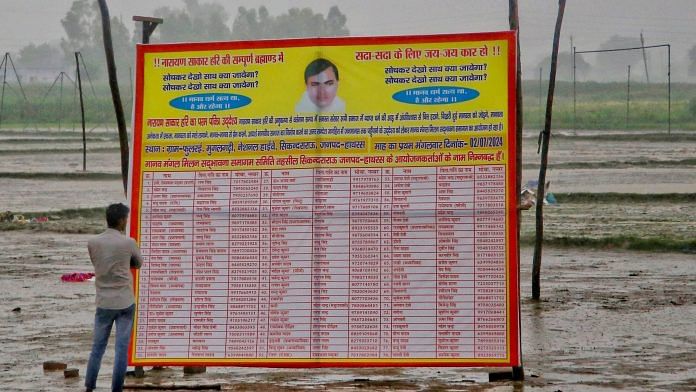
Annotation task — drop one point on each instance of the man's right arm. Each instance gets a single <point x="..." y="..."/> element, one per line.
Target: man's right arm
<point x="136" y="260"/>
<point x="91" y="253"/>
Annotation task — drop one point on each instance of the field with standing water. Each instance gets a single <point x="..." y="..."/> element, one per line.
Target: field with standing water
<point x="618" y="286"/>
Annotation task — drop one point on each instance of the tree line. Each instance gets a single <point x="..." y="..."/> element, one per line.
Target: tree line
<point x="196" y="21"/>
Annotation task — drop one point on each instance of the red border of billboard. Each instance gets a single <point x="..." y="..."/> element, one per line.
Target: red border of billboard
<point x="513" y="302"/>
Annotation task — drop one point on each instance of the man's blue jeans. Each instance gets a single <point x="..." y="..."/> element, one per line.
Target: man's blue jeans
<point x="103" y="320"/>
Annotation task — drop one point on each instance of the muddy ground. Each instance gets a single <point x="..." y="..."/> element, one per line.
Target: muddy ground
<point x="609" y="319"/>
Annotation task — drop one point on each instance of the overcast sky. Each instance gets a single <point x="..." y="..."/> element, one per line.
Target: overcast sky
<point x="590" y="22"/>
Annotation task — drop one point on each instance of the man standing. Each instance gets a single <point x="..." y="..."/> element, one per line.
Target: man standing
<point x="112" y="254"/>
<point x="321" y="81"/>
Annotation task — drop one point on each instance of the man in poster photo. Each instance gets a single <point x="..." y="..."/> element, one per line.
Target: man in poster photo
<point x="321" y="80"/>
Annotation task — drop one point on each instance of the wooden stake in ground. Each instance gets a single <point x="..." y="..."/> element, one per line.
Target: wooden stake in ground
<point x="546" y="135"/>
<point x="115" y="94"/>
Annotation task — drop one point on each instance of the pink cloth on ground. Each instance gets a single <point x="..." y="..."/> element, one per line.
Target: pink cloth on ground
<point x="77" y="276"/>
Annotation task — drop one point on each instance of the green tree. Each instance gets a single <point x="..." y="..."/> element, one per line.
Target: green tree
<point x="43" y="56"/>
<point x="614" y="64"/>
<point x="194" y="23"/>
<point x="82" y="25"/>
<point x="565" y="64"/>
<point x="78" y="25"/>
<point x="252" y="24"/>
<point x="692" y="61"/>
<point x="336" y="23"/>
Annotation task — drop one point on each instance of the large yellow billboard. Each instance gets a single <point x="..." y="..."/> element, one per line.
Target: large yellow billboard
<point x="326" y="202"/>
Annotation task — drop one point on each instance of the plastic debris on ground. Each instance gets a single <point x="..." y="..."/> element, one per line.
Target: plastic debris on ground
<point x="8" y="216"/>
<point x="528" y="195"/>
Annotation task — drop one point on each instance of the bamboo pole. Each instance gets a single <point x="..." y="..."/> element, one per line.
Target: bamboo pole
<point x="546" y="134"/>
<point x="115" y="94"/>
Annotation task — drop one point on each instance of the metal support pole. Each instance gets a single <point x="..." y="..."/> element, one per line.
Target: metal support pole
<point x="645" y="59"/>
<point x="149" y="25"/>
<point x="572" y="64"/>
<point x="82" y="111"/>
<point x="60" y="101"/>
<point x="4" y="81"/>
<point x="669" y="89"/>
<point x="628" y="95"/>
<point x="669" y="73"/>
<point x="575" y="100"/>
<point x="514" y="21"/>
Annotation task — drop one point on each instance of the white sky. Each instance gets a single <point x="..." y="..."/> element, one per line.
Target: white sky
<point x="590" y="22"/>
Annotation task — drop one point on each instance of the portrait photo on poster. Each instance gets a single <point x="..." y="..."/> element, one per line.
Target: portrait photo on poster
<point x="321" y="78"/>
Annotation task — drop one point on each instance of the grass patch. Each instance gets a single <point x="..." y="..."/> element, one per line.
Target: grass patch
<point x="62" y="176"/>
<point x="72" y="213"/>
<point x="652" y="244"/>
<point x="69" y="221"/>
<point x="603" y="105"/>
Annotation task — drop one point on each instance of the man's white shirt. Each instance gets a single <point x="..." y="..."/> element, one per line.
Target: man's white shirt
<point x="305" y="105"/>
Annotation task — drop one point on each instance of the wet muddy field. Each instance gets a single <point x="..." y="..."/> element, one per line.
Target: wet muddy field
<point x="609" y="319"/>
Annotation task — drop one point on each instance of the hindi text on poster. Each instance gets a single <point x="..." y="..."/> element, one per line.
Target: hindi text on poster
<point x="327" y="202"/>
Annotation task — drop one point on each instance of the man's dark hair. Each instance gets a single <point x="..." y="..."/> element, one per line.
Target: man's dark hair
<point x="115" y="213"/>
<point x="318" y="66"/>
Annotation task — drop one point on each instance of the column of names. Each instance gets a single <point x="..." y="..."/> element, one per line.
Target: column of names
<point x="404" y="262"/>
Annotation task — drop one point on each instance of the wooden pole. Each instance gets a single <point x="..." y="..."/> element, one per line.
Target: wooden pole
<point x="546" y="135"/>
<point x="75" y="92"/>
<point x="115" y="94"/>
<point x="541" y="94"/>
<point x="82" y="112"/>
